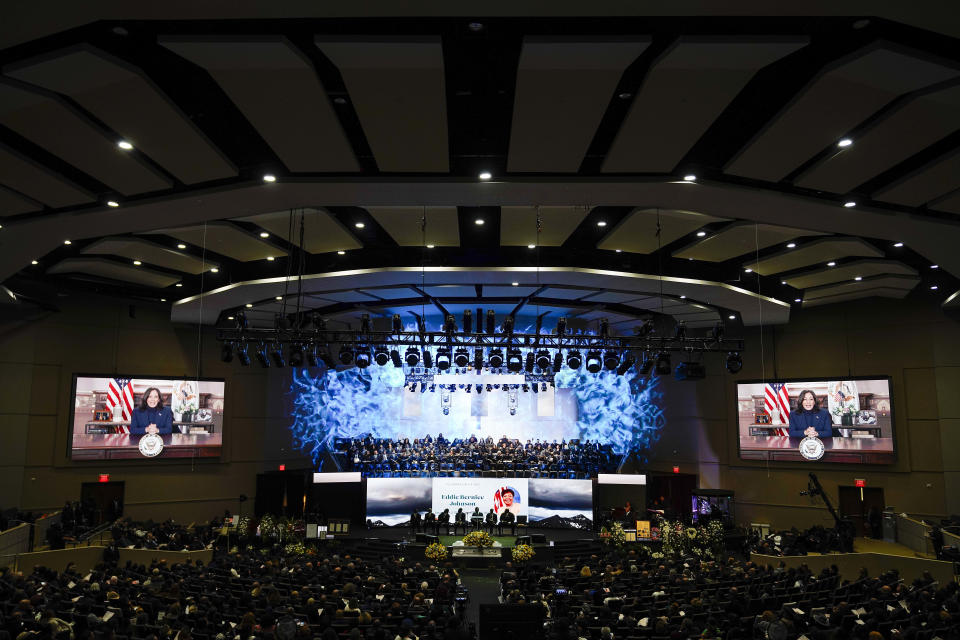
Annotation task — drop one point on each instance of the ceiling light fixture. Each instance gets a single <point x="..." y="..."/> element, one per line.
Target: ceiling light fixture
<point x="531" y="246"/>
<point x="67" y="242"/>
<point x="791" y="245"/>
<point x="690" y="177"/>
<point x="845" y="142"/>
<point x="137" y="263"/>
<point x="683" y="297"/>
<point x="485" y="175"/>
<point x="858" y="278"/>
<point x="700" y="234"/>
<point x="126" y="146"/>
<point x="849" y="204"/>
<point x="270" y="258"/>
<point x="748" y="270"/>
<point x="214" y="270"/>
<point x="341" y="253"/>
<point x="831" y="264"/>
<point x="514" y="284"/>
<point x="619" y="250"/>
<point x="797" y="300"/>
<point x="249" y="306"/>
<point x="897" y="244"/>
<point x="179" y="284"/>
<point x="269" y="177"/>
<point x="279" y="298"/>
<point x="34" y="262"/>
<point x="264" y="234"/>
<point x="934" y="266"/>
<point x="113" y="203"/>
<point x="732" y="317"/>
<point x="602" y="223"/>
<point x="431" y="246"/>
<point x="933" y="288"/>
<point x="359" y="225"/>
<point x="478" y="221"/>
<point x="181" y="246"/>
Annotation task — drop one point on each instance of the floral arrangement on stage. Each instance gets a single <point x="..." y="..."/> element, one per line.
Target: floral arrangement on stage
<point x="269" y="526"/>
<point x="615" y="535"/>
<point x="297" y="549"/>
<point x="522" y="553"/>
<point x="705" y="542"/>
<point x="478" y="539"/>
<point x="436" y="552"/>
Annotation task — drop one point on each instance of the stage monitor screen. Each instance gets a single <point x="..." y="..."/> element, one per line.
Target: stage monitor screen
<point x="546" y="503"/>
<point x="838" y="420"/>
<point x="113" y="414"/>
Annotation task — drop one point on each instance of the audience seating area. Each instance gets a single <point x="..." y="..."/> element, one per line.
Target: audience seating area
<point x="430" y="457"/>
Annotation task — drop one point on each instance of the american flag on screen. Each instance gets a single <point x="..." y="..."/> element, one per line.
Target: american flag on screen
<point x="776" y="401"/>
<point x="120" y="392"/>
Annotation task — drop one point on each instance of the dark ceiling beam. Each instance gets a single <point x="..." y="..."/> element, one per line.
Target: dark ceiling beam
<point x="479" y="236"/>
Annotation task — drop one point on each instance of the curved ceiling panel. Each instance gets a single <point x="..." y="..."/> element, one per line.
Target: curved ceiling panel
<point x="48" y="123"/>
<point x="739" y="239"/>
<point x="933" y="181"/>
<point x="563" y="89"/>
<point x="848" y="271"/>
<point x="262" y="77"/>
<point x="883" y="286"/>
<point x="129" y="103"/>
<point x="910" y="129"/>
<point x="638" y="233"/>
<point x="816" y="252"/>
<point x="225" y="239"/>
<point x="397" y="88"/>
<point x="37" y="182"/>
<point x="683" y="94"/>
<point x="835" y="102"/>
<point x="102" y="268"/>
<point x="150" y="253"/>
<point x="321" y="233"/>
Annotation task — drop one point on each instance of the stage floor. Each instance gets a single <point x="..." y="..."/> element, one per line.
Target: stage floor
<point x="397" y="534"/>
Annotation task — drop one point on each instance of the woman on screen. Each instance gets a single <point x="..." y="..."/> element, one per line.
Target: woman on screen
<point x="151" y="416"/>
<point x="809" y="419"/>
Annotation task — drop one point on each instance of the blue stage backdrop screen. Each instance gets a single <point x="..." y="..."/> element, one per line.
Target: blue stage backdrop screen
<point x="622" y="411"/>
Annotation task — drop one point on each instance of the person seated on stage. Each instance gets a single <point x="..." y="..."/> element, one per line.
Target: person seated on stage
<point x="809" y="419"/>
<point x="443" y="520"/>
<point x="430" y="522"/>
<point x="460" y="520"/>
<point x="151" y="416"/>
<point x="477" y="518"/>
<point x="415" y="521"/>
<point x="628" y="514"/>
<point x="507" y="518"/>
<point x="491" y="520"/>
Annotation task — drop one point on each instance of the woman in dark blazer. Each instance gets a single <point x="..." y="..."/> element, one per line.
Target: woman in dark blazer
<point x="151" y="416"/>
<point x="809" y="419"/>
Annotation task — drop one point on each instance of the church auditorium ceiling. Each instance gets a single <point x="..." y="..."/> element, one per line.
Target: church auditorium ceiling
<point x="701" y="168"/>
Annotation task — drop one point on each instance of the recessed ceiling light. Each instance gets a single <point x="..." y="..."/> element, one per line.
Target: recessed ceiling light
<point x="933" y="287"/>
<point x="67" y="242"/>
<point x="249" y="306"/>
<point x="700" y="234"/>
<point x="732" y="317"/>
<point x="163" y="299"/>
<point x="340" y="253"/>
<point x="619" y="250"/>
<point x="264" y="234"/>
<point x="797" y="300"/>
<point x="478" y="221"/>
<point x="229" y="317"/>
<point x="846" y="142"/>
<point x="279" y="298"/>
<point x="748" y="270"/>
<point x="113" y="203"/>
<point x="340" y="100"/>
<point x="485" y="175"/>
<point x="849" y="204"/>
<point x="514" y="284"/>
<point x="934" y="266"/>
<point x="858" y="278"/>
<point x="270" y="258"/>
<point x="269" y="177"/>
<point x="181" y="246"/>
<point x="126" y="146"/>
<point x="783" y="282"/>
<point x="359" y="225"/>
<point x="898" y="244"/>
<point x="683" y="297"/>
<point x="791" y="245"/>
<point x="475" y="26"/>
<point x="690" y="177"/>
<point x="531" y="246"/>
<point x="137" y="263"/>
<point x="179" y="284"/>
<point x="214" y="270"/>
<point x="602" y="223"/>
<point x="431" y="246"/>
<point x="34" y="262"/>
<point x="831" y="264"/>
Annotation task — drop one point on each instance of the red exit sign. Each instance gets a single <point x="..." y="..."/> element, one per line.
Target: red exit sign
<point x="860" y="482"/>
<point x="104" y="477"/>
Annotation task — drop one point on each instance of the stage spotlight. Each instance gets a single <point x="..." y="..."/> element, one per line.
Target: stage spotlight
<point x="412" y="357"/>
<point x="717" y="331"/>
<point x="363" y="358"/>
<point x="478" y="360"/>
<point x="680" y="331"/>
<point x="508" y="325"/>
<point x="604" y="327"/>
<point x="395" y="357"/>
<point x="646" y="365"/>
<point x="296" y="355"/>
<point x="490" y="388"/>
<point x="242" y="355"/>
<point x="533" y="387"/>
<point x="423" y="387"/>
<point x="557" y="361"/>
<point x="734" y="362"/>
<point x="469" y="388"/>
<point x="610" y="360"/>
<point x="397" y="323"/>
<point x="276" y="353"/>
<point x="433" y="388"/>
<point x="468" y="321"/>
<point x="543" y="386"/>
<point x="345" y="355"/>
<point x="427" y="359"/>
<point x="496" y="358"/>
<point x="226" y="352"/>
<point x="574" y="359"/>
<point x="543" y="359"/>
<point x="514" y="360"/>
<point x="240" y="319"/>
<point x="261" y="354"/>
<point x="443" y="359"/>
<point x="690" y="371"/>
<point x="461" y="357"/>
<point x="491" y="321"/>
<point x="449" y="324"/>
<point x="593" y="361"/>
<point x="364" y="323"/>
<point x="562" y="325"/>
<point x="645" y="329"/>
<point x="526" y="388"/>
<point x="313" y="360"/>
<point x="324" y="355"/>
<point x="663" y="364"/>
<point x="413" y="387"/>
<point x="625" y="365"/>
<point x="317" y="321"/>
<point x="530" y="361"/>
<point x="381" y="356"/>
